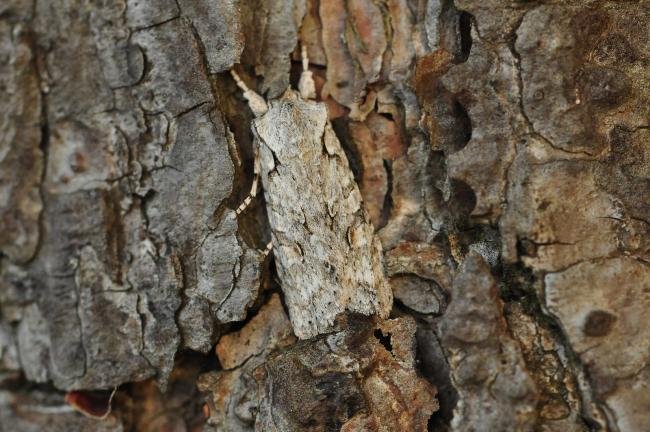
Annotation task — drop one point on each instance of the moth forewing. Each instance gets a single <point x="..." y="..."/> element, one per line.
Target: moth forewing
<point x="328" y="259"/>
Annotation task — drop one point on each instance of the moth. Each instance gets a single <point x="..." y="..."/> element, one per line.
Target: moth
<point x="328" y="258"/>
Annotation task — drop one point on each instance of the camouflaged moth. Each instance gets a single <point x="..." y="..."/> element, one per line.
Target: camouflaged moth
<point x="328" y="258"/>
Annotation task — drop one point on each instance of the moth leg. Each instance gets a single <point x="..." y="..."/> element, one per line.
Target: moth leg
<point x="306" y="84"/>
<point x="268" y="249"/>
<point x="255" y="101"/>
<point x="110" y="404"/>
<point x="256" y="179"/>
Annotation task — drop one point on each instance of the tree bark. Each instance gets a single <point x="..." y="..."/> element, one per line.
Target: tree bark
<point x="502" y="152"/>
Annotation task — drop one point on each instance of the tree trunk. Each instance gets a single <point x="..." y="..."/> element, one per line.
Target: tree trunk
<point x="503" y="155"/>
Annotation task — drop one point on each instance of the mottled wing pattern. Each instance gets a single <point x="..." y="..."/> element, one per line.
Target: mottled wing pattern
<point x="327" y="256"/>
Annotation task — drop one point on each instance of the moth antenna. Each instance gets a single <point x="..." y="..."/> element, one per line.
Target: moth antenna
<point x="256" y="178"/>
<point x="305" y="58"/>
<point x="255" y="101"/>
<point x="306" y="85"/>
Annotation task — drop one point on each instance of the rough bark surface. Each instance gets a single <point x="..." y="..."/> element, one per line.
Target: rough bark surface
<point x="502" y="154"/>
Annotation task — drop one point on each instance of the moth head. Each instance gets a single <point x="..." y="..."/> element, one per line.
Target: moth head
<point x="306" y="85"/>
<point x="306" y="88"/>
<point x="255" y="101"/>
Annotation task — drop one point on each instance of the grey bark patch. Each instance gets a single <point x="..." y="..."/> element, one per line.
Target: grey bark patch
<point x="271" y="37"/>
<point x="195" y="176"/>
<point x="122" y="63"/>
<point x="227" y="283"/>
<point x="196" y="324"/>
<point x="228" y="272"/>
<point x="111" y="327"/>
<point x="33" y="344"/>
<point x="495" y="390"/>
<point x="417" y="294"/>
<point x="136" y="164"/>
<point x="168" y="85"/>
<point x="222" y="273"/>
<point x="159" y="281"/>
<point x="218" y="25"/>
<point x="141" y="13"/>
<point x="21" y="160"/>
